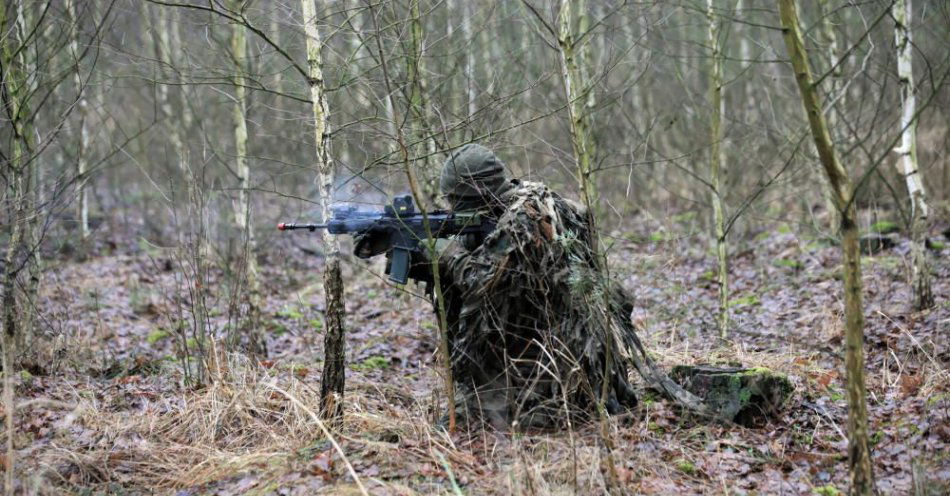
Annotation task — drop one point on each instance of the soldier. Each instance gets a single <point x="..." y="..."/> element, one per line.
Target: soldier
<point x="537" y="333"/>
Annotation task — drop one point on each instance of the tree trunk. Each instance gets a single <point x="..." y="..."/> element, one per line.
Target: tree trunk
<point x="580" y="123"/>
<point x="467" y="13"/>
<point x="32" y="166"/>
<point x="419" y="107"/>
<point x="862" y="476"/>
<point x="242" y="207"/>
<point x="82" y="159"/>
<point x="715" y="163"/>
<point x="333" y="382"/>
<point x="831" y="56"/>
<point x="13" y="328"/>
<point x="581" y="142"/>
<point x="907" y="156"/>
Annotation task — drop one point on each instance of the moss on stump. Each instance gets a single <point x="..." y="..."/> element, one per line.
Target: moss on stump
<point x="743" y="395"/>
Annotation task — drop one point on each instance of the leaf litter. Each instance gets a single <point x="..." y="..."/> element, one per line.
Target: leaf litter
<point x="107" y="410"/>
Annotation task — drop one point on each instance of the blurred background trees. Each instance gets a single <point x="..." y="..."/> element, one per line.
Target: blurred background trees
<point x="187" y="125"/>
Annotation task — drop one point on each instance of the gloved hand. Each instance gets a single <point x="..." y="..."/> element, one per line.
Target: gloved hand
<point x="370" y="243"/>
<point x="445" y="250"/>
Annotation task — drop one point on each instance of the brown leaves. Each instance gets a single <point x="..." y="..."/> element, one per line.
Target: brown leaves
<point x="322" y="465"/>
<point x="825" y="378"/>
<point x="910" y="384"/>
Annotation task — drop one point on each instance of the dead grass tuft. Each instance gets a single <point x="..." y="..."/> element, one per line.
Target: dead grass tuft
<point x="236" y="422"/>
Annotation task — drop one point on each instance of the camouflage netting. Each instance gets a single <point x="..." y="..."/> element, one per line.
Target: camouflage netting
<point x="528" y="326"/>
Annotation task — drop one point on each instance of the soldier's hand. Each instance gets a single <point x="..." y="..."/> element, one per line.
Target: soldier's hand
<point x="371" y="243"/>
<point x="447" y="249"/>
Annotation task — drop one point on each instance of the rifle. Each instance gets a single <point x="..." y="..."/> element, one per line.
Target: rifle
<point x="401" y="227"/>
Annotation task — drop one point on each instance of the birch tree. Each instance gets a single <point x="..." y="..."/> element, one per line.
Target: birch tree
<point x="333" y="383"/>
<point x="177" y="123"/>
<point x="907" y="155"/>
<point x="716" y="107"/>
<point x="419" y="100"/>
<point x="575" y="88"/>
<point x="15" y="99"/>
<point x="242" y="206"/>
<point x="859" y="455"/>
<point x="575" y="91"/>
<point x="82" y="104"/>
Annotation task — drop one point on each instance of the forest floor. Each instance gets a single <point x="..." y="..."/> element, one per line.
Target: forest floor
<point x="105" y="409"/>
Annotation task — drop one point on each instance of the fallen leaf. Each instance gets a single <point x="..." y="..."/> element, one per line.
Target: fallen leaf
<point x="910" y="384"/>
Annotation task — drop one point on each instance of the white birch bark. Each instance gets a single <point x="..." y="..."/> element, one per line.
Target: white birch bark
<point x="242" y="207"/>
<point x="907" y="154"/>
<point x="82" y="104"/>
<point x="333" y="381"/>
<point x="467" y="13"/>
<point x="176" y="123"/>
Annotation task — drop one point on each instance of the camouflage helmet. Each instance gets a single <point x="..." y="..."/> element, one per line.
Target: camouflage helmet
<point x="472" y="175"/>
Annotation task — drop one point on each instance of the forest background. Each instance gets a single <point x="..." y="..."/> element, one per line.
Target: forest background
<point x="159" y="333"/>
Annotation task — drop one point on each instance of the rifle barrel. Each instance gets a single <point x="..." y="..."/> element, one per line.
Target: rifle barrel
<point x="285" y="226"/>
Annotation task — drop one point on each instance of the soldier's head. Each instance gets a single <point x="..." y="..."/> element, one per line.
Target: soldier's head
<point x="473" y="178"/>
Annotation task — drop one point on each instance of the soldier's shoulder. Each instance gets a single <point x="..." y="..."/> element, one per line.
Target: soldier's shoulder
<point x="526" y="191"/>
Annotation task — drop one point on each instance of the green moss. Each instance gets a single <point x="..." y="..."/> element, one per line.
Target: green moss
<point x="885" y="262"/>
<point x="156" y="336"/>
<point x="760" y="371"/>
<point x="836" y="396"/>
<point x="290" y="313"/>
<point x="784" y="229"/>
<point x="708" y="276"/>
<point x="634" y="238"/>
<point x="937" y="398"/>
<point x="743" y="301"/>
<point x="828" y="490"/>
<point x="877" y="437"/>
<point x="744" y="396"/>
<point x="885" y="227"/>
<point x="685" y="466"/>
<point x="372" y="363"/>
<point x="655" y="427"/>
<point x="659" y="237"/>
<point x="26" y="376"/>
<point x="684" y="217"/>
<point x="788" y="262"/>
<point x="938" y="245"/>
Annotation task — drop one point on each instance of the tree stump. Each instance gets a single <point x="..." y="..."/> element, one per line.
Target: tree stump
<point x="745" y="396"/>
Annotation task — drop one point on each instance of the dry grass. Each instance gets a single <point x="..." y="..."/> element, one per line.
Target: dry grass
<point x="236" y="422"/>
<point x="259" y="422"/>
<point x="252" y="419"/>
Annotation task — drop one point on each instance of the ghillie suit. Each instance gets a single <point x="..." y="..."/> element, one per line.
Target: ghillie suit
<point x="531" y="318"/>
<point x="538" y="333"/>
